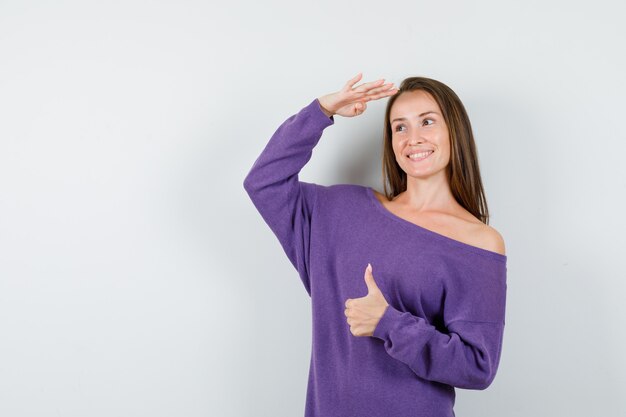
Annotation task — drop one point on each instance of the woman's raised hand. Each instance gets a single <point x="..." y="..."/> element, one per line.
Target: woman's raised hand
<point x="350" y="101"/>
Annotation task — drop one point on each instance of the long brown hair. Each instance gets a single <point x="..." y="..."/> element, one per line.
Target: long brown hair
<point x="462" y="171"/>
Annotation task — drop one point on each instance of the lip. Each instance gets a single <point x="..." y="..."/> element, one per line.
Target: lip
<point x="421" y="159"/>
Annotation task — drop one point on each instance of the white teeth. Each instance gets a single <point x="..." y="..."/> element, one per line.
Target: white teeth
<point x="420" y="155"/>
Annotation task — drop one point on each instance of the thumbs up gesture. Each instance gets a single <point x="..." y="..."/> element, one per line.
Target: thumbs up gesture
<point x="363" y="314"/>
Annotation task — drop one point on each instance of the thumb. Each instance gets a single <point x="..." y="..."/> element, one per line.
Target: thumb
<point x="369" y="279"/>
<point x="359" y="107"/>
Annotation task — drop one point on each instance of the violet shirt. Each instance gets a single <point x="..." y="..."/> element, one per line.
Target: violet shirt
<point x="444" y="324"/>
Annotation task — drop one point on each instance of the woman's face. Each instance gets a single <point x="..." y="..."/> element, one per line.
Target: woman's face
<point x="417" y="125"/>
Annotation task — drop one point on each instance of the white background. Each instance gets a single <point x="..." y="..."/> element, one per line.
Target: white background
<point x="136" y="277"/>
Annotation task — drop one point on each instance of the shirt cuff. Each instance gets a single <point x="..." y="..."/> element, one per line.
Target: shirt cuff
<point x="387" y="322"/>
<point x="318" y="109"/>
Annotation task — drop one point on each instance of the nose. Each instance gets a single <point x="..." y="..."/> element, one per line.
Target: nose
<point x="415" y="139"/>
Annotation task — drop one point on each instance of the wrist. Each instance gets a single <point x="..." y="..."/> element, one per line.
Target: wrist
<point x="325" y="109"/>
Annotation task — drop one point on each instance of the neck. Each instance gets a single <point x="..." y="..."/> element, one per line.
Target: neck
<point x="431" y="194"/>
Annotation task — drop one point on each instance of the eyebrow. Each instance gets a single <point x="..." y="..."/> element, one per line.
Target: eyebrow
<point x="423" y="114"/>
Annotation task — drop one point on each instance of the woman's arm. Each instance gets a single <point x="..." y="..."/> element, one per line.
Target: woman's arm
<point x="286" y="203"/>
<point x="466" y="357"/>
<point x="468" y="354"/>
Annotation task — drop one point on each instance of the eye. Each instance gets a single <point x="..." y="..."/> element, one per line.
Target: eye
<point x="428" y="120"/>
<point x="397" y="127"/>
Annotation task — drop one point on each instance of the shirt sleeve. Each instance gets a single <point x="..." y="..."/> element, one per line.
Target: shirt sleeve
<point x="286" y="203"/>
<point x="467" y="355"/>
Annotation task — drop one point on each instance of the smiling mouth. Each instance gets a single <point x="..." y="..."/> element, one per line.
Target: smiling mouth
<point x="419" y="156"/>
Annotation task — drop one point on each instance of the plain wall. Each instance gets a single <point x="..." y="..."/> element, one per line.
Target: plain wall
<point x="136" y="277"/>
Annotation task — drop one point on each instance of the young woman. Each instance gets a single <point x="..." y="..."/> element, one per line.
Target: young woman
<point x="427" y="314"/>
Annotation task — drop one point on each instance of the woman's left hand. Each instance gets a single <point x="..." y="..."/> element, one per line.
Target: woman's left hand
<point x="364" y="313"/>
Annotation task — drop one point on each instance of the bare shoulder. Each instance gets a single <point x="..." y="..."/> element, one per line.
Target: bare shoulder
<point x="480" y="234"/>
<point x="459" y="225"/>
<point x="492" y="240"/>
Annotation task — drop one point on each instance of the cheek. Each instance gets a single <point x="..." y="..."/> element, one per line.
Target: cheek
<point x="398" y="152"/>
<point x="444" y="144"/>
<point x="395" y="146"/>
<point x="446" y="154"/>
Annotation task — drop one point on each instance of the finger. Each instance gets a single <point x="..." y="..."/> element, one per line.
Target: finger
<point x="379" y="90"/>
<point x="367" y="271"/>
<point x="354" y="80"/>
<point x="383" y="94"/>
<point x="382" y="88"/>
<point x="363" y="88"/>
<point x="369" y="279"/>
<point x="367" y="95"/>
<point x="359" y="108"/>
<point x="348" y="302"/>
